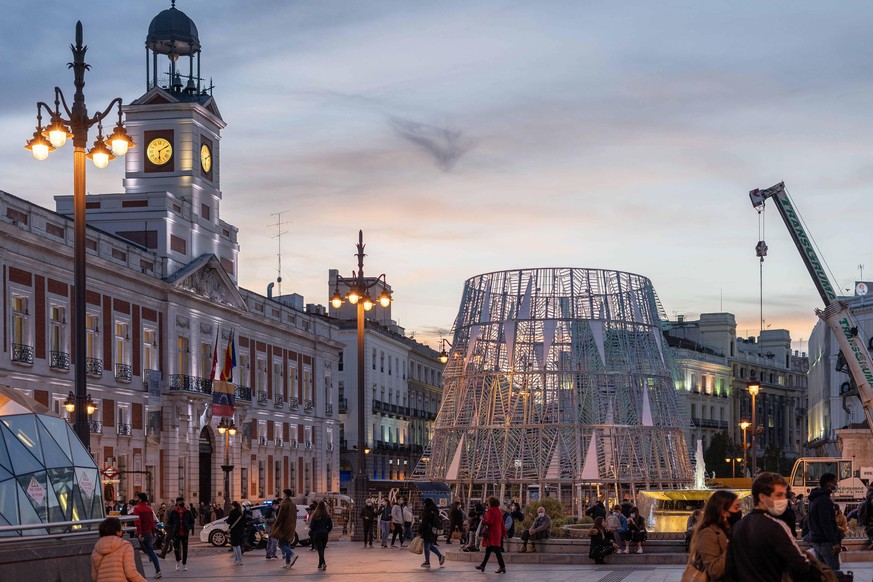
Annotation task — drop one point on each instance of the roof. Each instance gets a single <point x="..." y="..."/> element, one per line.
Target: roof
<point x="172" y="32"/>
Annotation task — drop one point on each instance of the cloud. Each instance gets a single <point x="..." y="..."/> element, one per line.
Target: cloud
<point x="446" y="146"/>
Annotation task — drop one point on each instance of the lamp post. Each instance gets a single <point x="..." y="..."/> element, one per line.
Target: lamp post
<point x="754" y="388"/>
<point x="733" y="462"/>
<point x="228" y="429"/>
<point x="359" y="294"/>
<point x="444" y="355"/>
<point x="744" y="425"/>
<point x="76" y="126"/>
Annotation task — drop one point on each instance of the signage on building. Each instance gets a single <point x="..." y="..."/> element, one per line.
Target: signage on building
<point x="36" y="491"/>
<point x="863" y="288"/>
<point x="86" y="483"/>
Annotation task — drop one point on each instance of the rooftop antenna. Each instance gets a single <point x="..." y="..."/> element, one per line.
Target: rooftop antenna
<point x="861" y="276"/>
<point x="278" y="224"/>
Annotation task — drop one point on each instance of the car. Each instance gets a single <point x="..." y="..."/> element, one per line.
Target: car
<point x="217" y="532"/>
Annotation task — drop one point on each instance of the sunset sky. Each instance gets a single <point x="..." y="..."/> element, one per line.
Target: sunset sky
<point x="471" y="136"/>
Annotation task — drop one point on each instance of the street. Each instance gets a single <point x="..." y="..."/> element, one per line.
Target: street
<point x="349" y="558"/>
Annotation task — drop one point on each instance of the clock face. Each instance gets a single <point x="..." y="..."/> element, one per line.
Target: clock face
<point x="205" y="158"/>
<point x="159" y="151"/>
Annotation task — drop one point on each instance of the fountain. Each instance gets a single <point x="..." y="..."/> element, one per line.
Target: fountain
<point x="668" y="509"/>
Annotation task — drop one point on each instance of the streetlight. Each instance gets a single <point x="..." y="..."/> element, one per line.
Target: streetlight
<point x="76" y="126"/>
<point x="70" y="404"/>
<point x="744" y="425"/>
<point x="444" y="355"/>
<point x="754" y="388"/>
<point x="359" y="294"/>
<point x="733" y="462"/>
<point x="228" y="429"/>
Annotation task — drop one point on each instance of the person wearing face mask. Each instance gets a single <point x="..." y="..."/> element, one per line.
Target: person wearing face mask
<point x="368" y="518"/>
<point x="761" y="548"/>
<point x="709" y="543"/>
<point x="823" y="531"/>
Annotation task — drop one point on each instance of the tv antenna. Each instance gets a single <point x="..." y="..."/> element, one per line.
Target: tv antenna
<point x="279" y="224"/>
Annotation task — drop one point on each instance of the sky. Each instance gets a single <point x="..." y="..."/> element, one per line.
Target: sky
<point x="466" y="137"/>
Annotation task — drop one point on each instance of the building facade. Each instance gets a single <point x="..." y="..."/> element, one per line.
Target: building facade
<point x="162" y="295"/>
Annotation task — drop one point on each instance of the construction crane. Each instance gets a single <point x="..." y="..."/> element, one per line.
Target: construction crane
<point x="836" y="314"/>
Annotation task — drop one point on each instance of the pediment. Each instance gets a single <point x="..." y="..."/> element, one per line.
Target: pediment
<point x="205" y="277"/>
<point x="155" y="96"/>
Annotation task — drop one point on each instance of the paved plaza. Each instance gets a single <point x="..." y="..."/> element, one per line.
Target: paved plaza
<point x="349" y="558"/>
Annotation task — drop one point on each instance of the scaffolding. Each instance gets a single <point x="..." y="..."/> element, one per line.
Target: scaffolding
<point x="558" y="383"/>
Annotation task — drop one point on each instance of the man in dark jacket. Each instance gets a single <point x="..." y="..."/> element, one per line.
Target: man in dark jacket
<point x="761" y="547"/>
<point x="181" y="523"/>
<point x="822" y="518"/>
<point x="596" y="510"/>
<point x="368" y="521"/>
<point x="456" y="520"/>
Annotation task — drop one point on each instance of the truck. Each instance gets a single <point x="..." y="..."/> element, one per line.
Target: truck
<point x="853" y="346"/>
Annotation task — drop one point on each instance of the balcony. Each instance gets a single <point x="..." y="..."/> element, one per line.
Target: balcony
<point x="308" y="445"/>
<point x="124" y="429"/>
<point x="95" y="426"/>
<point x="22" y="354"/>
<point x="59" y="360"/>
<point x="292" y="404"/>
<point x="94" y="367"/>
<point x="262" y="398"/>
<point x="244" y="393"/>
<point x="329" y="447"/>
<point x="343" y="405"/>
<point x="190" y="384"/>
<point x="294" y="444"/>
<point x="145" y="377"/>
<point x="307" y="406"/>
<point x="280" y="442"/>
<point x="328" y="409"/>
<point x="279" y="401"/>
<point x="262" y="441"/>
<point x="377" y="407"/>
<point x="123" y="372"/>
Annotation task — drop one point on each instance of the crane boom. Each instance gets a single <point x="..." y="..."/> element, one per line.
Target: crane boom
<point x="836" y="314"/>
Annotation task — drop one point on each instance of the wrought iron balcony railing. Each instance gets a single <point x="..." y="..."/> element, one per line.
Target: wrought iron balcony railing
<point x="244" y="393"/>
<point x="59" y="360"/>
<point x="328" y="409"/>
<point x="94" y="367"/>
<point x="279" y="401"/>
<point x="307" y="406"/>
<point x="343" y="405"/>
<point x="22" y="354"/>
<point x="95" y="426"/>
<point x="124" y="429"/>
<point x="292" y="404"/>
<point x="329" y="447"/>
<point x="145" y="377"/>
<point x="308" y="445"/>
<point x="280" y="442"/>
<point x="294" y="443"/>
<point x="123" y="372"/>
<point x="262" y="440"/>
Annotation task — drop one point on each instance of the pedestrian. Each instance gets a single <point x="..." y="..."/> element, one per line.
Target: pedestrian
<point x="710" y="540"/>
<point x="823" y="531"/>
<point x="616" y="523"/>
<point x="207" y="514"/>
<point x="396" y="523"/>
<point x="636" y="529"/>
<point x="407" y="520"/>
<point x="236" y="529"/>
<point x="219" y="511"/>
<point x="456" y="521"/>
<point x="269" y="521"/>
<point x="493" y="536"/>
<point x="384" y="522"/>
<point x="162" y="512"/>
<point x="368" y="521"/>
<point x="311" y="510"/>
<point x="113" y="558"/>
<point x="540" y="529"/>
<point x="168" y="533"/>
<point x="691" y="525"/>
<point x="202" y="513"/>
<point x="320" y="525"/>
<point x="761" y="548"/>
<point x="146" y="530"/>
<point x="601" y="542"/>
<point x="181" y="523"/>
<point x="789" y="517"/>
<point x="429" y="531"/>
<point x="596" y="510"/>
<point x="285" y="528"/>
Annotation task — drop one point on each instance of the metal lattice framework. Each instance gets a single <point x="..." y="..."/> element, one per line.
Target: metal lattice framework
<point x="560" y="378"/>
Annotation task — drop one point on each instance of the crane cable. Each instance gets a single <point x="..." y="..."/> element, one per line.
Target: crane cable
<point x="761" y="252"/>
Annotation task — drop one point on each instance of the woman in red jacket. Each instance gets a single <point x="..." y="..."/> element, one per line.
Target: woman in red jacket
<point x="492" y="538"/>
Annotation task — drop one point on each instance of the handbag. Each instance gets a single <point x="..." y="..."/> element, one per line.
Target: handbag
<point x="416" y="546"/>
<point x="483" y="530"/>
<point x="694" y="570"/>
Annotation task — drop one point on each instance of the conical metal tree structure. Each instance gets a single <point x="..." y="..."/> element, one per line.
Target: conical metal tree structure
<point x="558" y="380"/>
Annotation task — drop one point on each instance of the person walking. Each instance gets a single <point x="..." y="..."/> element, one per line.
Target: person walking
<point x="493" y="536"/>
<point x="823" y="531"/>
<point x="368" y="519"/>
<point x="761" y="548"/>
<point x="456" y="521"/>
<point x="181" y="523"/>
<point x="396" y="523"/>
<point x="146" y="530"/>
<point x="269" y="521"/>
<point x="429" y="531"/>
<point x="112" y="559"/>
<point x="710" y="540"/>
<point x="540" y="529"/>
<point x="601" y="544"/>
<point x="320" y="525"/>
<point x="385" y="522"/>
<point x="636" y="529"/>
<point x="407" y="520"/>
<point x="285" y="528"/>
<point x="236" y="526"/>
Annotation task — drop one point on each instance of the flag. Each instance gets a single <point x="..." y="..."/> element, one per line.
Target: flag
<point x="214" y="355"/>
<point x="223" y="390"/>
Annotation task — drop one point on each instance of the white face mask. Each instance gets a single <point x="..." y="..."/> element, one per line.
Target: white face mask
<point x="779" y="507"/>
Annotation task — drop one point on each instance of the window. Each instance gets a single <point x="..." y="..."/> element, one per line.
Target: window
<point x="382" y="362"/>
<point x="20" y="320"/>
<point x="389" y="365"/>
<point x="242" y="371"/>
<point x="278" y="389"/>
<point x="204" y="211"/>
<point x="57" y="323"/>
<point x="307" y="384"/>
<point x="149" y="349"/>
<point x="92" y="330"/>
<point x="183" y="354"/>
<point x="339" y="365"/>
<point x="261" y="377"/>
<point x="374" y="358"/>
<point x="122" y="350"/>
<point x="292" y="380"/>
<point x="205" y="360"/>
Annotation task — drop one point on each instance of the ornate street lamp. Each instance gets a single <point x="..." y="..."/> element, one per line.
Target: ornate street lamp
<point x="45" y="140"/>
<point x="358" y="294"/>
<point x="744" y="425"/>
<point x="754" y="388"/>
<point x="228" y="429"/>
<point x="444" y="354"/>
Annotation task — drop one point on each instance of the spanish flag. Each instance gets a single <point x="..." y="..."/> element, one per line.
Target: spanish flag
<point x="223" y="390"/>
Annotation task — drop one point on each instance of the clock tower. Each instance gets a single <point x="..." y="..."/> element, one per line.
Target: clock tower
<point x="172" y="184"/>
